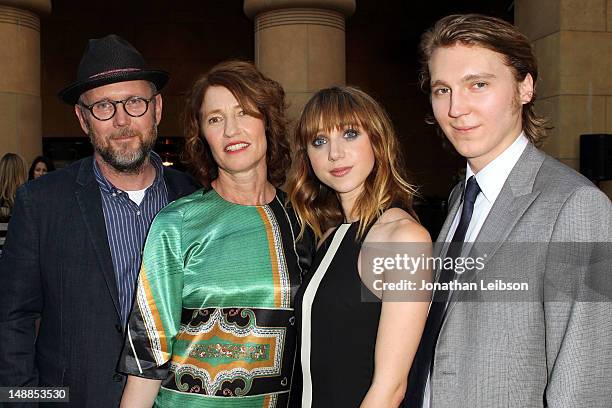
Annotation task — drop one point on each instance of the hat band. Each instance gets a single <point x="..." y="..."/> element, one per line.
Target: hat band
<point x="115" y="71"/>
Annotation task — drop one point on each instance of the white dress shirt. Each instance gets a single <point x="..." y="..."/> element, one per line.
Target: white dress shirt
<point x="490" y="179"/>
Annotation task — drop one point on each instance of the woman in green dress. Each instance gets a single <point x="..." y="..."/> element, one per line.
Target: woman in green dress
<point x="213" y="322"/>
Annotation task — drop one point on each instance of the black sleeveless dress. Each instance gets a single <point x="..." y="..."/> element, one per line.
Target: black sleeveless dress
<point x="337" y="330"/>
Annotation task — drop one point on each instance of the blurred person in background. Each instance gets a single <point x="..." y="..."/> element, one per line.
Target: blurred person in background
<point x="12" y="176"/>
<point x="40" y="166"/>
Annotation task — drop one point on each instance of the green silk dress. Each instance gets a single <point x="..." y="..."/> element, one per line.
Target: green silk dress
<point x="213" y="314"/>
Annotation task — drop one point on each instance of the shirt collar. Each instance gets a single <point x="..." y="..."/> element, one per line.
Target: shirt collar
<point x="108" y="187"/>
<point x="492" y="177"/>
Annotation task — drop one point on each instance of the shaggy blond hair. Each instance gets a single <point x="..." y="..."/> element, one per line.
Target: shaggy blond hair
<point x="496" y="35"/>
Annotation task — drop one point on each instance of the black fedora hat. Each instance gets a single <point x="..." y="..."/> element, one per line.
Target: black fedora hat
<point x="108" y="60"/>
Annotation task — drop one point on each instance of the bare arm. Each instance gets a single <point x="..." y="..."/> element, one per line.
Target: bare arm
<point x="139" y="392"/>
<point x="399" y="331"/>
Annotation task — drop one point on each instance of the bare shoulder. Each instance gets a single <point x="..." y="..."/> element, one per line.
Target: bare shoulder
<point x="396" y="225"/>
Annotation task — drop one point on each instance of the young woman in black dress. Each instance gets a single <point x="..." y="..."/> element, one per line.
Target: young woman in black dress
<point x="349" y="189"/>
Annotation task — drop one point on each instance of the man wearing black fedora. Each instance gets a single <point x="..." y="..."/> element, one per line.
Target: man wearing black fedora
<point x="74" y="244"/>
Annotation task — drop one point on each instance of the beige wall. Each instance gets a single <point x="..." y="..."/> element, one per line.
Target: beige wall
<point x="573" y="44"/>
<point x="300" y="44"/>
<point x="303" y="49"/>
<point x="20" y="103"/>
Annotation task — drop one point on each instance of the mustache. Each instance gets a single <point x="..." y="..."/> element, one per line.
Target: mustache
<point x="125" y="133"/>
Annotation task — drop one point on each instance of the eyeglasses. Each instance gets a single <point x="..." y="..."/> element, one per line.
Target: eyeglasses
<point x="135" y="106"/>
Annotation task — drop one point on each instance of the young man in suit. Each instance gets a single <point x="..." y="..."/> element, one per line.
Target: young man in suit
<point x="73" y="249"/>
<point x="521" y="210"/>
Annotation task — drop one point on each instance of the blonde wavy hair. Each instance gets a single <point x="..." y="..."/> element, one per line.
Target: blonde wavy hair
<point x="316" y="205"/>
<point x="13" y="173"/>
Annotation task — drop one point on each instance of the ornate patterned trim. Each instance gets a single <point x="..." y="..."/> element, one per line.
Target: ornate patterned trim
<point x="282" y="284"/>
<point x="226" y="335"/>
<point x="151" y="319"/>
<point x="296" y="16"/>
<point x="16" y="16"/>
<point x="270" y="401"/>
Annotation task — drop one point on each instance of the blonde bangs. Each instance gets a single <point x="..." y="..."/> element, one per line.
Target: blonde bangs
<point x="327" y="112"/>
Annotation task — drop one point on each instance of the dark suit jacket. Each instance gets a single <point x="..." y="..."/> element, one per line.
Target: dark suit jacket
<point x="57" y="266"/>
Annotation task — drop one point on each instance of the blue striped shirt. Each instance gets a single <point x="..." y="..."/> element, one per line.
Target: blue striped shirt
<point x="127" y="225"/>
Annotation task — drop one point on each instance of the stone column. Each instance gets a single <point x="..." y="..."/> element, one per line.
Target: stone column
<point x="573" y="43"/>
<point x="301" y="44"/>
<point x="20" y="103"/>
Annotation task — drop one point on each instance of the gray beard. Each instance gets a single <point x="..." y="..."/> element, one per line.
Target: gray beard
<point x="131" y="162"/>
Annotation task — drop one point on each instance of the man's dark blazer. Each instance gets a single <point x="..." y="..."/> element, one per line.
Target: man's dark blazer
<point x="57" y="266"/>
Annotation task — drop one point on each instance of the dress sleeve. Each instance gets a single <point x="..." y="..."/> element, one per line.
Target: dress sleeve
<point x="156" y="315"/>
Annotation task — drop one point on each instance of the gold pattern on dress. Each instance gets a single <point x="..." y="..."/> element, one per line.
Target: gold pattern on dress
<point x="152" y="319"/>
<point x="250" y="351"/>
<point x="256" y="352"/>
<point x="273" y="257"/>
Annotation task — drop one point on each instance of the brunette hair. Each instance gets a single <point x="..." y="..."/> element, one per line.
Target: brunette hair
<point x="317" y="205"/>
<point x="496" y="35"/>
<point x="13" y="173"/>
<point x="259" y="96"/>
<point x="40" y="159"/>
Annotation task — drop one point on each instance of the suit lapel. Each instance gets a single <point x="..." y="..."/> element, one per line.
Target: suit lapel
<point x="89" y="198"/>
<point x="172" y="189"/>
<point x="178" y="184"/>
<point x="514" y="199"/>
<point x="454" y="202"/>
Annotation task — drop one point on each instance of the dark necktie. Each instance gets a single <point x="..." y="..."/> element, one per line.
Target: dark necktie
<point x="425" y="353"/>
